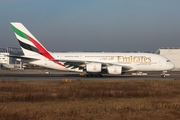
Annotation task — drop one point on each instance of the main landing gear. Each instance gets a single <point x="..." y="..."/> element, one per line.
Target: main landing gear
<point x="93" y="75"/>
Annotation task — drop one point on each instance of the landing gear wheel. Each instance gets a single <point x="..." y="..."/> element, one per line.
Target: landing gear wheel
<point x="98" y="75"/>
<point x="93" y="75"/>
<point x="163" y="76"/>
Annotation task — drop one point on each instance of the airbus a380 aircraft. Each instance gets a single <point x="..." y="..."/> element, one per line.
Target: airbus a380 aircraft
<point x="91" y="63"/>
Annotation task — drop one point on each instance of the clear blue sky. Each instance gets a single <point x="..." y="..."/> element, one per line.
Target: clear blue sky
<point x="94" y="25"/>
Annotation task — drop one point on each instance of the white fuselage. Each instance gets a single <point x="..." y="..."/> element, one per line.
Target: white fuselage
<point x="135" y="61"/>
<point x="91" y="62"/>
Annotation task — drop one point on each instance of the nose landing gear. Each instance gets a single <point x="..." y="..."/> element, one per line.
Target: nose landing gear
<point x="163" y="75"/>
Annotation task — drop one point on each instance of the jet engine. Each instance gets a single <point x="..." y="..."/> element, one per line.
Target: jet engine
<point x="93" y="67"/>
<point x="114" y="69"/>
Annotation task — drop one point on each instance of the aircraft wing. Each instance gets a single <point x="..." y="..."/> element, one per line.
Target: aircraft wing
<point x="81" y="64"/>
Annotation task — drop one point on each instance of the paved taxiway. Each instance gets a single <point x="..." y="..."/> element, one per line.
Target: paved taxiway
<point x="34" y="75"/>
<point x="77" y="77"/>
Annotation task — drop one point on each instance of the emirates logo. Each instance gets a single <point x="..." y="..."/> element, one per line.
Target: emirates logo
<point x="115" y="70"/>
<point x="94" y="68"/>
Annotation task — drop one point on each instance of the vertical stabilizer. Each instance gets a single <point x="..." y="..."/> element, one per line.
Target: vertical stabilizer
<point x="27" y="41"/>
<point x="29" y="44"/>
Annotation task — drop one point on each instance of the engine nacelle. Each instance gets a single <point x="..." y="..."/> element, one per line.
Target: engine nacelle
<point x="93" y="67"/>
<point x="114" y="69"/>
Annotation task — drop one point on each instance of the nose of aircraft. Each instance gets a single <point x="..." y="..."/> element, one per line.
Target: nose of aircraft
<point x="170" y="65"/>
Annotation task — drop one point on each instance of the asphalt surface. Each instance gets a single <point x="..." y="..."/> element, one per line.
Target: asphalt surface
<point x="38" y="75"/>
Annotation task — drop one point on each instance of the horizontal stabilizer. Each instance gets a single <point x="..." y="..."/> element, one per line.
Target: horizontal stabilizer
<point x="22" y="57"/>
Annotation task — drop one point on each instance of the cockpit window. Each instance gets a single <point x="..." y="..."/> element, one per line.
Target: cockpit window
<point x="168" y="61"/>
